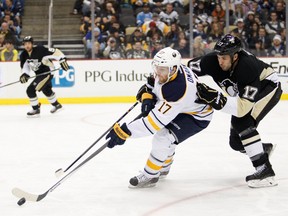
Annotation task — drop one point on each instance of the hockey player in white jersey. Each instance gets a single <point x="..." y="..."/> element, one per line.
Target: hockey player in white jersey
<point x="172" y="115"/>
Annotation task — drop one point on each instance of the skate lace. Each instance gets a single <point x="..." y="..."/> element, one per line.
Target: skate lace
<point x="259" y="170"/>
<point x="141" y="177"/>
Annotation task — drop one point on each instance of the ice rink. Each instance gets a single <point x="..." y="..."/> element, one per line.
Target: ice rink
<point x="206" y="179"/>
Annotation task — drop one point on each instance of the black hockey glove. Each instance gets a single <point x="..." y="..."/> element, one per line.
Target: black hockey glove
<point x="146" y="88"/>
<point x="148" y="103"/>
<point x="64" y="64"/>
<point x="210" y="96"/>
<point x="24" y="78"/>
<point x="118" y="135"/>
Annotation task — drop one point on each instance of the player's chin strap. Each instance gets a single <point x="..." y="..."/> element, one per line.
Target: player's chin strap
<point x="233" y="63"/>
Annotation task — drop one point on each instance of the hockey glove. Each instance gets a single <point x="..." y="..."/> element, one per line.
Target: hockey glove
<point x="210" y="96"/>
<point x="148" y="103"/>
<point x="118" y="135"/>
<point x="64" y="64"/>
<point x="24" y="78"/>
<point x="146" y="88"/>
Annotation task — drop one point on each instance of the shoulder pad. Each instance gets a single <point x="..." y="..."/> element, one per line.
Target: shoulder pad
<point x="174" y="90"/>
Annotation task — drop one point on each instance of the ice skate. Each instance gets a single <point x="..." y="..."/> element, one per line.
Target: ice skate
<point x="263" y="177"/>
<point x="33" y="113"/>
<point x="142" y="181"/>
<point x="56" y="108"/>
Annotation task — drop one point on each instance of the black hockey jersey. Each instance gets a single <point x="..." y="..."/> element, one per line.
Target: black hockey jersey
<point x="247" y="81"/>
<point x="37" y="60"/>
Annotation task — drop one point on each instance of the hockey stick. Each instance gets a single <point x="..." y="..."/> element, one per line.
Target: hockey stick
<point x="48" y="72"/>
<point x="38" y="197"/>
<point x="60" y="171"/>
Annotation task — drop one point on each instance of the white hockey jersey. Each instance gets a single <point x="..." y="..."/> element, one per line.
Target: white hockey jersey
<point x="174" y="97"/>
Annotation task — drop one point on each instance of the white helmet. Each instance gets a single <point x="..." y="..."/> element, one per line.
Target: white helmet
<point x="167" y="57"/>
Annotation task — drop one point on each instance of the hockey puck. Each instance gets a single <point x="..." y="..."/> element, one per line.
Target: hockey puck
<point x="59" y="172"/>
<point x="21" y="201"/>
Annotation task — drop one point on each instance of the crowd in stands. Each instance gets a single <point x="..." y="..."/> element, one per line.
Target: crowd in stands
<point x="11" y="12"/>
<point x="260" y="24"/>
<point x="137" y="29"/>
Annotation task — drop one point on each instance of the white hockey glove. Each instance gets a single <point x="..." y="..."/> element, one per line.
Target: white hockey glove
<point x="64" y="64"/>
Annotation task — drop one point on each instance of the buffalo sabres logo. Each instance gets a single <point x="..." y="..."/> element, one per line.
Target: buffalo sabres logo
<point x="228" y="86"/>
<point x="34" y="64"/>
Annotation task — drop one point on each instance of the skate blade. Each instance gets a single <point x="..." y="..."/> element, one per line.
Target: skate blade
<point x="33" y="116"/>
<point x="267" y="182"/>
<point x="143" y="186"/>
<point x="56" y="111"/>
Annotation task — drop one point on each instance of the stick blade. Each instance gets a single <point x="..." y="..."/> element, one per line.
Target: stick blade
<point x="28" y="196"/>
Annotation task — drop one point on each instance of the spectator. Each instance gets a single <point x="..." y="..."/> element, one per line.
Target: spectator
<point x="86" y="7"/>
<point x="108" y="12"/>
<point x="252" y="33"/>
<point x="88" y="40"/>
<point x="175" y="3"/>
<point x="216" y="32"/>
<point x="113" y="50"/>
<point x="157" y="5"/>
<point x="258" y="11"/>
<point x="218" y="12"/>
<point x="258" y="50"/>
<point x="183" y="47"/>
<point x="157" y="45"/>
<point x="15" y="9"/>
<point x="266" y="4"/>
<point x="262" y="35"/>
<point x="250" y="18"/>
<point x="160" y="25"/>
<point x="198" y="47"/>
<point x="153" y="30"/>
<point x="98" y="51"/>
<point x="137" y="52"/>
<point x="277" y="49"/>
<point x="9" y="53"/>
<point x="240" y="30"/>
<point x="283" y="36"/>
<point x="199" y="31"/>
<point x="5" y="30"/>
<point x="119" y="37"/>
<point x="2" y="39"/>
<point x="169" y="16"/>
<point x="239" y="13"/>
<point x="136" y="36"/>
<point x="172" y="36"/>
<point x="274" y="26"/>
<point x="14" y="27"/>
<point x="77" y="7"/>
<point x="280" y="11"/>
<point x="144" y="15"/>
<point x="138" y="5"/>
<point x="246" y="6"/>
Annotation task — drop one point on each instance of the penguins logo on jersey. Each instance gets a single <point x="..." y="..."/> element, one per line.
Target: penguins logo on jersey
<point x="228" y="86"/>
<point x="33" y="64"/>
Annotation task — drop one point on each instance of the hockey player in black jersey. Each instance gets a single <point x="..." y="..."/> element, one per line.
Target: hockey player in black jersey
<point x="39" y="59"/>
<point x="253" y="89"/>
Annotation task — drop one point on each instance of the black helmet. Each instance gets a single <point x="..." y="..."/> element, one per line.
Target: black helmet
<point x="28" y="39"/>
<point x="228" y="45"/>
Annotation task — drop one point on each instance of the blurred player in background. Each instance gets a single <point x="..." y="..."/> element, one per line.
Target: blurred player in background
<point x="169" y="113"/>
<point x="39" y="59"/>
<point x="253" y="90"/>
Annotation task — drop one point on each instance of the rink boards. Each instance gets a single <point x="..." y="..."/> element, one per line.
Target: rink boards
<point x="99" y="81"/>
